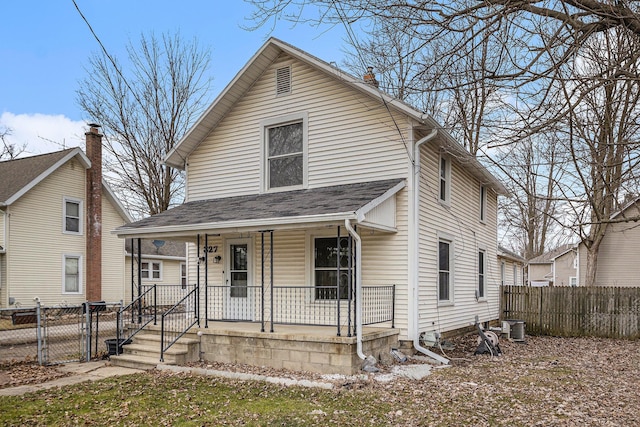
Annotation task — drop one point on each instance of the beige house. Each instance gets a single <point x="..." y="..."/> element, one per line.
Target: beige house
<point x="162" y="263"/>
<point x="619" y="251"/>
<point x="511" y="267"/>
<point x="46" y="247"/>
<point x="316" y="201"/>
<point x="558" y="267"/>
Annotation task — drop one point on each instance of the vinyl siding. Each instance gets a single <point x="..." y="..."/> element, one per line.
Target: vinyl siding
<point x="460" y="222"/>
<point x="508" y="271"/>
<point x="618" y="257"/>
<point x="540" y="272"/>
<point x="37" y="243"/>
<point x="350" y="136"/>
<point x="564" y="269"/>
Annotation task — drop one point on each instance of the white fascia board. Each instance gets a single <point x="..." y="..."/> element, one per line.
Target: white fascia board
<point x="360" y="213"/>
<point x="84" y="160"/>
<point x="154" y="256"/>
<point x="232" y="226"/>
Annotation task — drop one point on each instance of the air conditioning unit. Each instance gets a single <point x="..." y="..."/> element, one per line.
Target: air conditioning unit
<point x="514" y="329"/>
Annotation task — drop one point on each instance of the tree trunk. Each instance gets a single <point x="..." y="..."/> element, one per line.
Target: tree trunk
<point x="592" y="265"/>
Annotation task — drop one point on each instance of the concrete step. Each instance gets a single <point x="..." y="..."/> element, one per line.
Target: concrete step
<point x="135" y="361"/>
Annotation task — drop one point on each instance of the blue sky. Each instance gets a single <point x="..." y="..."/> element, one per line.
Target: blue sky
<point x="45" y="45"/>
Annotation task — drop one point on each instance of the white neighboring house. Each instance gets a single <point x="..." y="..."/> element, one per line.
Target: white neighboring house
<point x="558" y="267"/>
<point x="511" y="267"/>
<point x="46" y="250"/>
<point x="358" y="191"/>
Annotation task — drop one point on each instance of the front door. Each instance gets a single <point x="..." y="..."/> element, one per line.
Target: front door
<point x="239" y="281"/>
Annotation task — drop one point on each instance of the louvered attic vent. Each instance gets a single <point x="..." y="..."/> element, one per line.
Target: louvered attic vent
<point x="283" y="80"/>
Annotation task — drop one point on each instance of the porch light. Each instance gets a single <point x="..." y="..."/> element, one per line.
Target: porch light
<point x="217" y="259"/>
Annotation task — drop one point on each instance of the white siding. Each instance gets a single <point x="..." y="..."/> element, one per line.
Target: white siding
<point x="351" y="136"/>
<point x="37" y="243"/>
<point x="460" y="221"/>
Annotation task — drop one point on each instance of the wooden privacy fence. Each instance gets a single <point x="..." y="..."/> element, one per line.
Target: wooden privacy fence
<point x="611" y="312"/>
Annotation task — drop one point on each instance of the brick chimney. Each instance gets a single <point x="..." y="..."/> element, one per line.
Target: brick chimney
<point x="370" y="78"/>
<point x="93" y="261"/>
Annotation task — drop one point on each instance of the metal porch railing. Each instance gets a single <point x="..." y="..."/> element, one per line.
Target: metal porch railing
<point x="139" y="313"/>
<point x="177" y="320"/>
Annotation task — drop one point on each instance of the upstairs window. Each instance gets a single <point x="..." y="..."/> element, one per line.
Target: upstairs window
<point x="285" y="156"/>
<point x="72" y="216"/>
<point x="445" y="179"/>
<point x="483" y="203"/>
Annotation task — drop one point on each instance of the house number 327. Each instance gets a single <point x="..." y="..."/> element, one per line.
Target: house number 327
<point x="210" y="249"/>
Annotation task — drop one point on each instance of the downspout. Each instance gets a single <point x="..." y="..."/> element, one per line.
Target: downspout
<point x="414" y="238"/>
<point x="352" y="232"/>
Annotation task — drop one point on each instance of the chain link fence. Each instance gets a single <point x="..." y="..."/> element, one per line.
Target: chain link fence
<point x="54" y="335"/>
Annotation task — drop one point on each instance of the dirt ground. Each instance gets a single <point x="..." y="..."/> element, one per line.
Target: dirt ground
<point x="544" y="381"/>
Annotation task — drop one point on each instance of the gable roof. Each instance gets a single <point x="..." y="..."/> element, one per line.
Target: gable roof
<point x="256" y="66"/>
<point x="20" y="175"/>
<point x="549" y="257"/>
<point x="268" y="210"/>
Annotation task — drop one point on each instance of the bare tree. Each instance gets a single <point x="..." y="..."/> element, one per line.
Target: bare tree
<point x="9" y="150"/>
<point x="144" y="109"/>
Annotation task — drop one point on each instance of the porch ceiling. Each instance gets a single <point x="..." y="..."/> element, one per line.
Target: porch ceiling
<point x="269" y="211"/>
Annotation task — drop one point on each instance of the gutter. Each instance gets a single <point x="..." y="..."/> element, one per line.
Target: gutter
<point x="352" y="232"/>
<point x="414" y="238"/>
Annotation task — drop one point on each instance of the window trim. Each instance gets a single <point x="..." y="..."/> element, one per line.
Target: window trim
<point x="483" y="203"/>
<point x="80" y="204"/>
<point x="184" y="275"/>
<point x="80" y="273"/>
<point x="151" y="278"/>
<point x="481" y="294"/>
<point x="515" y="274"/>
<point x="288" y="119"/>
<point x="446" y="239"/>
<point x="503" y="273"/>
<point x="444" y="177"/>
<point x="576" y="281"/>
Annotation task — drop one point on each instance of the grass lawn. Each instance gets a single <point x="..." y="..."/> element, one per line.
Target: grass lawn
<point x="161" y="399"/>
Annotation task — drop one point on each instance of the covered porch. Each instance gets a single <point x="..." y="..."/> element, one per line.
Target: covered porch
<point x="283" y="291"/>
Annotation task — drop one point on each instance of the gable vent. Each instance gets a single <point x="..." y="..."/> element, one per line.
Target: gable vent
<point x="283" y="80"/>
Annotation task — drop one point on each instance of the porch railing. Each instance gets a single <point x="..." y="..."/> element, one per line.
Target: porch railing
<point x="177" y="320"/>
<point x="138" y="314"/>
<point x="234" y="303"/>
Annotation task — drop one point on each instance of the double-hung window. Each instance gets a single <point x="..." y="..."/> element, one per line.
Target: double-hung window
<point x="445" y="179"/>
<point x="285" y="155"/>
<point x="327" y="255"/>
<point x="445" y="282"/>
<point x="72" y="265"/>
<point x="482" y="276"/>
<point x="483" y="203"/>
<point x="72" y="216"/>
<point x="151" y="270"/>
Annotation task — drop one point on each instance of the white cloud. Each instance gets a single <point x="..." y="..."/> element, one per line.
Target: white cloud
<point x="41" y="133"/>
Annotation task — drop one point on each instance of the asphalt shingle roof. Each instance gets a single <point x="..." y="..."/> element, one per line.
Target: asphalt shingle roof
<point x="18" y="173"/>
<point x="286" y="204"/>
<point x="168" y="248"/>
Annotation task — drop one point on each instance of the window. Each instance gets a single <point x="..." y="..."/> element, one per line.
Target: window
<point x="72" y="216"/>
<point x="515" y="275"/>
<point x="502" y="273"/>
<point x="444" y="271"/>
<point x="481" y="273"/>
<point x="151" y="270"/>
<point x="445" y="178"/>
<point x="483" y="203"/>
<point x="284" y="152"/>
<point x="573" y="281"/>
<point x="72" y="274"/>
<point x="325" y="267"/>
<point x="183" y="275"/>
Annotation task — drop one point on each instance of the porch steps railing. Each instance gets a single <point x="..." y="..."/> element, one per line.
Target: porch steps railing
<point x="138" y="314"/>
<point x="177" y="320"/>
